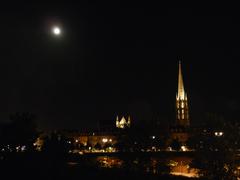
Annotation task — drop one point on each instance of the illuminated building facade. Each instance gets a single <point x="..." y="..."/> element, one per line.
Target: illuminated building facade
<point x="180" y="131"/>
<point x="123" y="123"/>
<point x="182" y="112"/>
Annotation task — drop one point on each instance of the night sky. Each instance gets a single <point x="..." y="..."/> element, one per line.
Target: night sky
<point x="112" y="59"/>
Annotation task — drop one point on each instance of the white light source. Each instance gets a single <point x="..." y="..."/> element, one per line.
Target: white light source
<point x="184" y="148"/>
<point x="104" y="140"/>
<point x="218" y="133"/>
<point x="56" y="30"/>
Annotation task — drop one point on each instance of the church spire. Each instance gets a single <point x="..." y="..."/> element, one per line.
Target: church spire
<point x="181" y="92"/>
<point x="181" y="101"/>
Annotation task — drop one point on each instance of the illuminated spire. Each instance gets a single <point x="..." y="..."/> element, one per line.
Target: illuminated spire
<point x="181" y="92"/>
<point x="129" y="121"/>
<point x="117" y="122"/>
<point x="182" y="113"/>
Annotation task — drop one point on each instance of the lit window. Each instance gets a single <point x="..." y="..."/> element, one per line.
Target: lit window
<point x="182" y="105"/>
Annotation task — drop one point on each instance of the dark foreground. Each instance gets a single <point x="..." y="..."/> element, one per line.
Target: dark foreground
<point x="40" y="166"/>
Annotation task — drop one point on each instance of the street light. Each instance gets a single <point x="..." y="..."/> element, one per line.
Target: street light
<point x="218" y="133"/>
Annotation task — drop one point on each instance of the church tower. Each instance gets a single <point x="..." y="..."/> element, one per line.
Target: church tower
<point x="182" y="113"/>
<point x="123" y="123"/>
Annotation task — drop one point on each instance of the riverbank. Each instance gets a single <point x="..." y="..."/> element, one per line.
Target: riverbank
<point x="36" y="166"/>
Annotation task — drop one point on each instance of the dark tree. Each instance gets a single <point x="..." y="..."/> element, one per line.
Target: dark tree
<point x="98" y="146"/>
<point x="56" y="144"/>
<point x="176" y="145"/>
<point x="107" y="145"/>
<point x="21" y="131"/>
<point x="216" y="165"/>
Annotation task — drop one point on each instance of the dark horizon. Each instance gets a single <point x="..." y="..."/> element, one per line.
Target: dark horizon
<point x="112" y="60"/>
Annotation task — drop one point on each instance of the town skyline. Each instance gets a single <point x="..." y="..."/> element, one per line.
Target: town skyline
<point x="104" y="65"/>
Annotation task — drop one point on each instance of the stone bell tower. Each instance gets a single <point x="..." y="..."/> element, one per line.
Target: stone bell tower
<point x="182" y="112"/>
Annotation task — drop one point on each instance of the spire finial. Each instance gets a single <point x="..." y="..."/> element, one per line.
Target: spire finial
<point x="180" y="82"/>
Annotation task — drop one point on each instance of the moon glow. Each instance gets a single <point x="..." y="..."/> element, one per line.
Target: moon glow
<point x="56" y="31"/>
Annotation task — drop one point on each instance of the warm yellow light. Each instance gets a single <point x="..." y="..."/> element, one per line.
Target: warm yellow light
<point x="123" y="123"/>
<point x="184" y="148"/>
<point x="182" y="105"/>
<point x="104" y="140"/>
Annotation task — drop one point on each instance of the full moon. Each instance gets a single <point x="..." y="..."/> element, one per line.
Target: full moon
<point x="56" y="31"/>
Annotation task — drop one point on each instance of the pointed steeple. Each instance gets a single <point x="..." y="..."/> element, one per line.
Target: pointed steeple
<point x="181" y="92"/>
<point x="129" y="121"/>
<point x="117" y="121"/>
<point x="182" y="114"/>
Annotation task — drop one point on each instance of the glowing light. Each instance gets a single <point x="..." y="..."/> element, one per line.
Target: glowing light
<point x="76" y="141"/>
<point x="123" y="123"/>
<point x="18" y="148"/>
<point x="104" y="140"/>
<point x="153" y="137"/>
<point x="190" y="175"/>
<point x="182" y="105"/>
<point x="23" y="148"/>
<point x="218" y="134"/>
<point x="153" y="148"/>
<point x="56" y="31"/>
<point x="184" y="148"/>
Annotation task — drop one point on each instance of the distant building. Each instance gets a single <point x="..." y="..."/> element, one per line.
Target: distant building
<point x="91" y="139"/>
<point x="182" y="112"/>
<point x="123" y="123"/>
<point x="180" y="130"/>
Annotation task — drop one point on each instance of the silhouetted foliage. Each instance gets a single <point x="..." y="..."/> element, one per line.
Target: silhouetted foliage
<point x="21" y="131"/>
<point x="220" y="165"/>
<point x="162" y="143"/>
<point x="98" y="146"/>
<point x="175" y="145"/>
<point x="217" y="156"/>
<point x="56" y="143"/>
